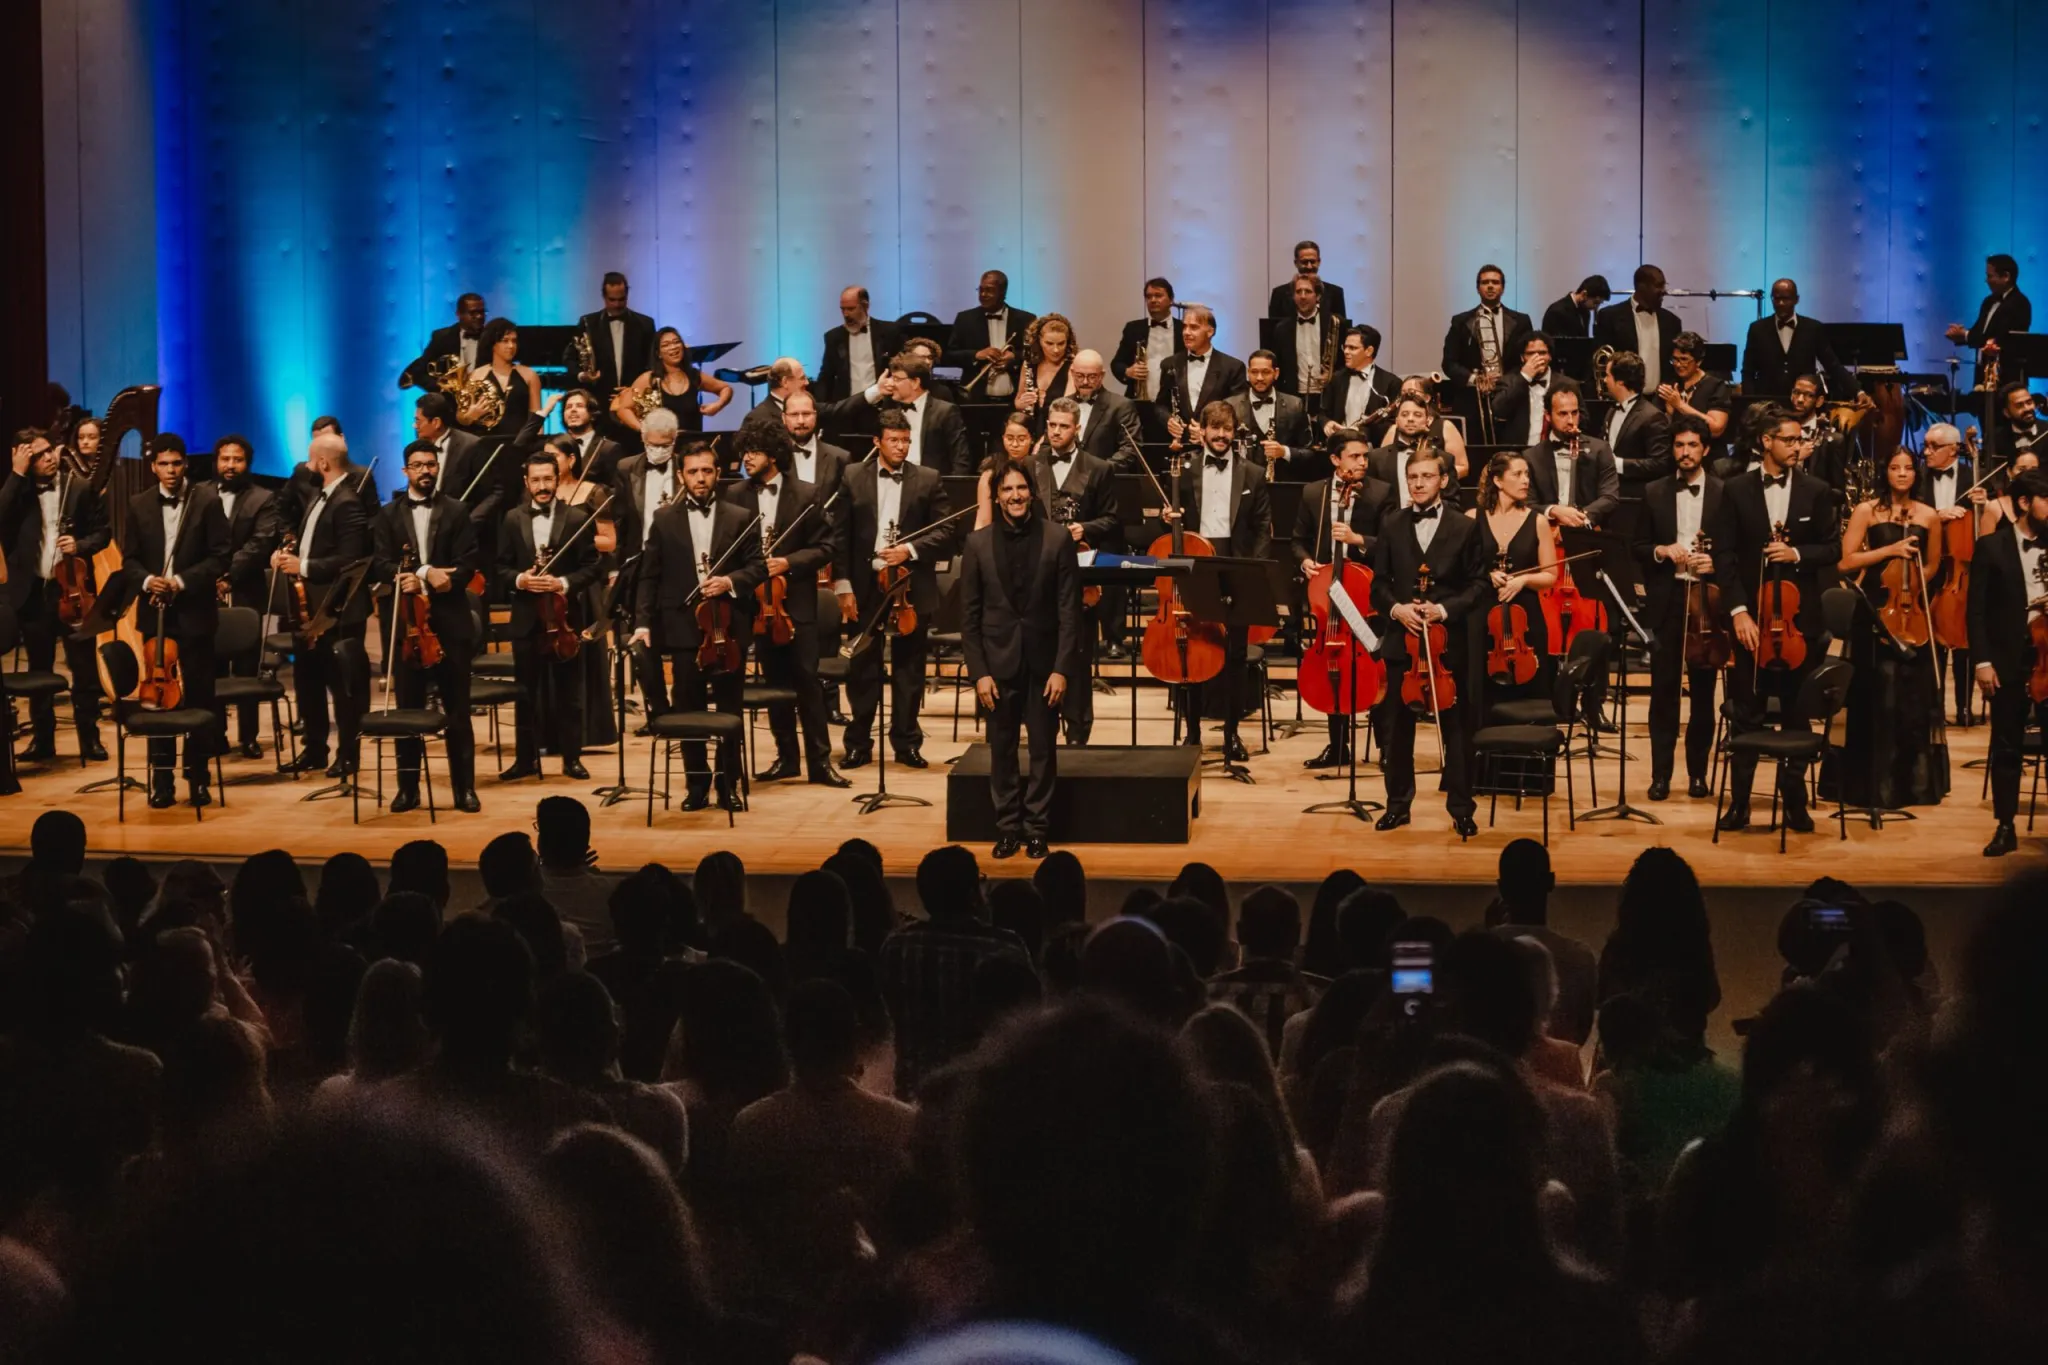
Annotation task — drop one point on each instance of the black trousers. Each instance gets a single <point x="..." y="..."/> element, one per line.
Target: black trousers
<point x="1667" y="666"/>
<point x="1077" y="710"/>
<point x="1750" y="688"/>
<point x="1224" y="693"/>
<point x="1963" y="669"/>
<point x="907" y="654"/>
<point x="652" y="677"/>
<point x="451" y="678"/>
<point x="196" y="672"/>
<point x="315" y="673"/>
<point x="696" y="690"/>
<point x="2011" y="708"/>
<point x="1394" y="724"/>
<point x="1023" y="806"/>
<point x="41" y="632"/>
<point x="795" y="665"/>
<point x="554" y="689"/>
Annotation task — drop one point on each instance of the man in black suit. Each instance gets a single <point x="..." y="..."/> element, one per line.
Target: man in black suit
<point x="1340" y="517"/>
<point x="1643" y="326"/>
<point x="544" y="549"/>
<point x="47" y="516"/>
<point x="1109" y="421"/>
<point x="1224" y="499"/>
<point x="2005" y="310"/>
<point x="991" y="333"/>
<point x="797" y="536"/>
<point x="1481" y="342"/>
<point x="174" y="548"/>
<point x="2009" y="576"/>
<point x="1276" y="421"/>
<point x="1021" y="633"/>
<point x="1781" y="347"/>
<point x="1638" y="433"/>
<point x="1523" y="394"/>
<point x="461" y="338"/>
<point x="1692" y="392"/>
<point x="1414" y="417"/>
<point x="1202" y="375"/>
<point x="1079" y="496"/>
<point x="1677" y="536"/>
<point x="643" y="484"/>
<point x="253" y="527"/>
<point x="700" y="548"/>
<point x="425" y="543"/>
<point x="893" y="511"/>
<point x="332" y="534"/>
<point x="938" y="431"/>
<point x="1572" y="315"/>
<point x="2018" y="426"/>
<point x="1303" y="337"/>
<point x="1777" y="494"/>
<point x="1144" y="346"/>
<point x="621" y="345"/>
<point x="857" y="352"/>
<point x="1425" y="534"/>
<point x="1360" y="395"/>
<point x="1946" y="475"/>
<point x="1308" y="260"/>
<point x="597" y="455"/>
<point x="1572" y="480"/>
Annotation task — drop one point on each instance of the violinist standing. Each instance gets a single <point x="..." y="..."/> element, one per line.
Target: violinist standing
<point x="1425" y="534"/>
<point x="2008" y="584"/>
<point x="252" y="513"/>
<point x="885" y="494"/>
<point x="692" y="530"/>
<point x="1677" y="512"/>
<point x="43" y="518"/>
<point x="1343" y="513"/>
<point x="795" y="522"/>
<point x="187" y="519"/>
<point x="539" y="530"/>
<point x="1519" y="556"/>
<point x="333" y="533"/>
<point x="1777" y="493"/>
<point x="437" y="529"/>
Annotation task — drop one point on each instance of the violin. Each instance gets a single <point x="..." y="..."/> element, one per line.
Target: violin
<point x="1781" y="645"/>
<point x="1509" y="659"/>
<point x="894" y="581"/>
<point x="73" y="577"/>
<point x="1178" y="648"/>
<point x="720" y="648"/>
<point x="1951" y="605"/>
<point x="1427" y="687"/>
<point x="1339" y="675"/>
<point x="558" y="639"/>
<point x="297" y="611"/>
<point x="162" y="688"/>
<point x="1709" y="640"/>
<point x="418" y="644"/>
<point x="1064" y="507"/>
<point x="1905" y="612"/>
<point x="773" y="620"/>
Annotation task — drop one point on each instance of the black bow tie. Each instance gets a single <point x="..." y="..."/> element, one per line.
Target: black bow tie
<point x="1194" y="359"/>
<point x="1691" y="488"/>
<point x="2028" y="546"/>
<point x="697" y="505"/>
<point x="163" y="501"/>
<point x="892" y="475"/>
<point x="1266" y="402"/>
<point x="45" y="486"/>
<point x="1427" y="513"/>
<point x="539" y="511"/>
<point x="1778" y="482"/>
<point x="419" y="502"/>
<point x="1948" y="473"/>
<point x="1215" y="461"/>
<point x="1084" y="399"/>
<point x="1060" y="458"/>
<point x="992" y="316"/>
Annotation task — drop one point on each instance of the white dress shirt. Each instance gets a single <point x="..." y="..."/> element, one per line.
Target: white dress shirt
<point x="1087" y="410"/>
<point x="915" y="412"/>
<point x="1216" y="486"/>
<point x="1691" y="508"/>
<point x="227" y="502"/>
<point x="1197" y="372"/>
<point x="1263" y="411"/>
<point x="1401" y="476"/>
<point x="1158" y="346"/>
<point x="544" y="528"/>
<point x="1308" y="348"/>
<point x="1425" y="527"/>
<point x="2030" y="560"/>
<point x="860" y="356"/>
<point x="657" y="481"/>
<point x="1357" y="395"/>
<point x="1786" y="330"/>
<point x="888" y="511"/>
<point x="1000" y="385"/>
<point x="1567" y="466"/>
<point x="1778" y="499"/>
<point x="421" y="512"/>
<point x="618" y="330"/>
<point x="1615" y="420"/>
<point x="1942" y="485"/>
<point x="469" y="345"/>
<point x="1492" y="327"/>
<point x="1650" y="344"/>
<point x="174" y="521"/>
<point x="767" y="501"/>
<point x="807" y="461"/>
<point x="46" y="561"/>
<point x="700" y="519"/>
<point x="312" y="514"/>
<point x="1539" y="399"/>
<point x="1063" y="463"/>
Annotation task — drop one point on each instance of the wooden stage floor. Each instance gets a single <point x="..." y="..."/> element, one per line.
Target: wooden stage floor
<point x="1250" y="833"/>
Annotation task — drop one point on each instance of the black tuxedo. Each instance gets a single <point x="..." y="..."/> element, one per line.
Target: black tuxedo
<point x="1223" y="378"/>
<point x="1665" y="615"/>
<point x="942" y="432"/>
<point x="442" y="342"/>
<point x="552" y="687"/>
<point x="198" y="558"/>
<point x="835" y="371"/>
<point x="1378" y="413"/>
<point x="1136" y="333"/>
<point x="1768" y="368"/>
<point x="972" y="332"/>
<point x="629" y="509"/>
<point x="600" y="459"/>
<point x="639" y="348"/>
<point x="923" y="502"/>
<point x="1385" y="464"/>
<point x="1458" y="581"/>
<point x="1616" y="326"/>
<point x="1281" y="303"/>
<point x="1463" y="356"/>
<point x="1020" y="635"/>
<point x="830" y="468"/>
<point x="1517" y="420"/>
<point x="253" y="527"/>
<point x="1596" y="486"/>
<point x="1113" y="431"/>
<point x="1286" y="421"/>
<point x="1965" y="475"/>
<point x="806" y="539"/>
<point x="1251" y="537"/>
<point x="340" y="538"/>
<point x="1330" y="341"/>
<point x="33" y="599"/>
<point x="1998" y="625"/>
<point x="2015" y="314"/>
<point x="1642" y="448"/>
<point x="450" y="545"/>
<point x="1370" y="507"/>
<point x="1085" y="494"/>
<point x="1566" y="319"/>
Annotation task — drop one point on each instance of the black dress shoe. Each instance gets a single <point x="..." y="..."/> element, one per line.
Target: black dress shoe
<point x="250" y="750"/>
<point x="1234" y="750"/>
<point x="342" y="767"/>
<point x="1698" y="787"/>
<point x="828" y="776"/>
<point x="465" y="800"/>
<point x="1734" y="818"/>
<point x="911" y="758"/>
<point x="1466" y="826"/>
<point x="162" y="798"/>
<point x="1330" y="757"/>
<point x="1007" y="846"/>
<point x="308" y="761"/>
<point x="697" y="798"/>
<point x="520" y="771"/>
<point x="573" y="767"/>
<point x="729" y="798"/>
<point x="1797" y="819"/>
<point x="94" y="752"/>
<point x="408" y="798"/>
<point x="857" y="758"/>
<point x="2006" y="840"/>
<point x="1660" y="789"/>
<point x="37" y="753"/>
<point x="1036" y="848"/>
<point x="780" y="769"/>
<point x="1393" y="819"/>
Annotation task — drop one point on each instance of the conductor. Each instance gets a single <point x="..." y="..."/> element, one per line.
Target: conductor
<point x="1021" y="588"/>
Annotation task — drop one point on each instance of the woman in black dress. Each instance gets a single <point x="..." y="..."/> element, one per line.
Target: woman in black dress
<point x="1048" y="355"/>
<point x="674" y="384"/>
<point x="1895" y="752"/>
<point x="1522" y="561"/>
<point x="500" y="371"/>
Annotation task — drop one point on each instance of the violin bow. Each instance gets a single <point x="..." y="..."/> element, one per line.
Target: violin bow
<point x="730" y="550"/>
<point x="588" y="522"/>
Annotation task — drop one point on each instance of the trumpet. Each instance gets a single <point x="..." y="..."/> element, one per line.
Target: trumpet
<point x="1131" y="390"/>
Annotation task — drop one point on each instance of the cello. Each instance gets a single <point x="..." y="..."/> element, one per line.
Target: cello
<point x="1339" y="675"/>
<point x="1780" y="643"/>
<point x="1177" y="647"/>
<point x="1951" y="605"/>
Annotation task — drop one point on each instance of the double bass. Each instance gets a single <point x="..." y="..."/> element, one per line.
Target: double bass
<point x="1339" y="675"/>
<point x="1178" y="648"/>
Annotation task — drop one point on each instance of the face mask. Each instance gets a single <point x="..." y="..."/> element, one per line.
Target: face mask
<point x="659" y="456"/>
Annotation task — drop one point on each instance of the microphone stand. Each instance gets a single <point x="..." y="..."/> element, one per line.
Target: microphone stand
<point x="885" y="665"/>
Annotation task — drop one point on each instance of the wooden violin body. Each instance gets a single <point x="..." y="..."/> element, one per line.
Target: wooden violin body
<point x="1780" y="643"/>
<point x="161" y="688"/>
<point x="720" y="648"/>
<point x="1339" y="676"/>
<point x="418" y="643"/>
<point x="1567" y="612"/>
<point x="2037" y="681"/>
<point x="558" y="639"/>
<point x="1178" y="648"/>
<point x="1510" y="661"/>
<point x="73" y="576"/>
<point x="1904" y="612"/>
<point x="1709" y="640"/>
<point x="773" y="620"/>
<point x="1427" y="686"/>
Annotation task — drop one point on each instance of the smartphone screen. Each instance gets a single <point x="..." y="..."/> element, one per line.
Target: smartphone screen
<point x="1414" y="969"/>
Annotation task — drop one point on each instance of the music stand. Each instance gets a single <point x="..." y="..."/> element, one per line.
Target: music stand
<point x="1240" y="594"/>
<point x="2022" y="356"/>
<point x="618" y="610"/>
<point x="1879" y="345"/>
<point x="885" y="641"/>
<point x="1612" y="574"/>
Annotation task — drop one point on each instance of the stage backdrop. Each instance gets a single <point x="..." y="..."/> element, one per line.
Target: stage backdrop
<point x="266" y="206"/>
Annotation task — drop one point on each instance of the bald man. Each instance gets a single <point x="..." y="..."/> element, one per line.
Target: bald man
<point x="333" y="533"/>
<point x="1109" y="421"/>
<point x="857" y="351"/>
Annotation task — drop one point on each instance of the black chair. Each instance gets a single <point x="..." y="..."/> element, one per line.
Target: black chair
<point x="671" y="730"/>
<point x="756" y="697"/>
<point x="832" y="670"/>
<point x="396" y="723"/>
<point x="124" y="675"/>
<point x="1792" y="739"/>
<point x="33" y="684"/>
<point x="240" y="635"/>
<point x="1537" y="744"/>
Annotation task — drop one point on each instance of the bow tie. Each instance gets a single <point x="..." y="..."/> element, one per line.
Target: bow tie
<point x="1427" y="513"/>
<point x="2027" y="547"/>
<point x="419" y="502"/>
<point x="992" y="316"/>
<point x="1201" y="359"/>
<point x="1778" y="482"/>
<point x="1059" y="458"/>
<point x="892" y="475"/>
<point x="45" y="486"/>
<point x="696" y="505"/>
<point x="1948" y="473"/>
<point x="1217" y="461"/>
<point x="1266" y="402"/>
<point x="538" y="511"/>
<point x="1084" y="399"/>
<point x="856" y="331"/>
<point x="163" y="501"/>
<point x="1691" y="488"/>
